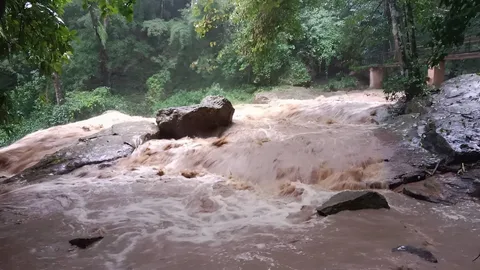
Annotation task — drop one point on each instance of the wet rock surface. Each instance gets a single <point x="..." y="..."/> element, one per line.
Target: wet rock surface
<point x="420" y="252"/>
<point x="84" y="243"/>
<point x="456" y="119"/>
<point x="446" y="188"/>
<point x="116" y="142"/>
<point x="200" y="120"/>
<point x="440" y="144"/>
<point x="406" y="178"/>
<point x="352" y="201"/>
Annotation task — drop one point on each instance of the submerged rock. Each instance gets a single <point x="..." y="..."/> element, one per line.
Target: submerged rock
<point x="453" y="128"/>
<point x="84" y="243"/>
<point x="351" y="201"/>
<point x="420" y="252"/>
<point x="424" y="192"/>
<point x="197" y="120"/>
<point x="111" y="144"/>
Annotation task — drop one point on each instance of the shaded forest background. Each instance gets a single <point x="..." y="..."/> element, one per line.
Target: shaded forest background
<point x="175" y="52"/>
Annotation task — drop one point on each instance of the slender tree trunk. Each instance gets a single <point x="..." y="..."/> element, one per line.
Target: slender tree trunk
<point x="3" y="4"/>
<point x="396" y="31"/>
<point x="102" y="53"/>
<point x="403" y="30"/>
<point x="411" y="23"/>
<point x="58" y="88"/>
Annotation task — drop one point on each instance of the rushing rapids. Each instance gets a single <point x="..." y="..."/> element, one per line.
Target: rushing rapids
<point x="239" y="201"/>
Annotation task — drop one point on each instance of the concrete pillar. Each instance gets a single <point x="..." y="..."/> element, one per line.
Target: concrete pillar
<point x="376" y="77"/>
<point x="436" y="75"/>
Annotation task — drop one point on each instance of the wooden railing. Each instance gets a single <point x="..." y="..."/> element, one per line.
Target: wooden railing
<point x="470" y="49"/>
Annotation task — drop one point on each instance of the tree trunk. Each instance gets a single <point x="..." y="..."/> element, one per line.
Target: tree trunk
<point x="403" y="30"/>
<point x="411" y="23"/>
<point x="396" y="31"/>
<point x="102" y="53"/>
<point x="3" y="4"/>
<point x="58" y="88"/>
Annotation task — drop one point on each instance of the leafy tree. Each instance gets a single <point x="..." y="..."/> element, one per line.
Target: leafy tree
<point x="448" y="25"/>
<point x="35" y="28"/>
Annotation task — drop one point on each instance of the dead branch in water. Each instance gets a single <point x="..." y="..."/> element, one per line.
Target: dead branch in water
<point x="436" y="168"/>
<point x="476" y="258"/>
<point x="220" y="142"/>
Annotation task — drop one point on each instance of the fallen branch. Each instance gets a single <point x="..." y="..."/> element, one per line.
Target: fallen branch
<point x="434" y="170"/>
<point x="462" y="170"/>
<point x="476" y="257"/>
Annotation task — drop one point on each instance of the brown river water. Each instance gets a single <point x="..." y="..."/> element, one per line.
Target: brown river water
<point x="232" y="202"/>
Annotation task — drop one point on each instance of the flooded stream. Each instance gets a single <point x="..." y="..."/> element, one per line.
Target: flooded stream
<point x="240" y="201"/>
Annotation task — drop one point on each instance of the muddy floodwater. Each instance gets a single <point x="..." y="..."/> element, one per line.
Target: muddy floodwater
<point x="234" y="202"/>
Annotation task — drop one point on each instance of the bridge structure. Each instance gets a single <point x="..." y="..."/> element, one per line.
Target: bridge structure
<point x="377" y="64"/>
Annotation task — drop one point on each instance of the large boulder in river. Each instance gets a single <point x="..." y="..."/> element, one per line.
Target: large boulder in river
<point x="453" y="128"/>
<point x="351" y="201"/>
<point x="200" y="120"/>
<point x="108" y="145"/>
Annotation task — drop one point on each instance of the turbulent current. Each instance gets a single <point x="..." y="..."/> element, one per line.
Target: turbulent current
<point x="239" y="201"/>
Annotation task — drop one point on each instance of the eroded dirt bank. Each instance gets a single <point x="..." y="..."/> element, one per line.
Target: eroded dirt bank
<point x="235" y="202"/>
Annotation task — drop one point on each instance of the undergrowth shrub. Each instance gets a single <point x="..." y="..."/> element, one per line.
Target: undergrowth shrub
<point x="79" y="105"/>
<point x="184" y="98"/>
<point x="341" y="83"/>
<point x="156" y="86"/>
<point x="297" y="74"/>
<point x="396" y="85"/>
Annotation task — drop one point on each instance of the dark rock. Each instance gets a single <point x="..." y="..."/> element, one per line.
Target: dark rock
<point x="454" y="122"/>
<point x="406" y="178"/>
<point x="422" y="194"/>
<point x="420" y="252"/>
<point x="446" y="188"/>
<point x="201" y="120"/>
<point x="84" y="243"/>
<point x="436" y="143"/>
<point x="475" y="191"/>
<point x="351" y="201"/>
<point x="419" y="105"/>
<point x="108" y="145"/>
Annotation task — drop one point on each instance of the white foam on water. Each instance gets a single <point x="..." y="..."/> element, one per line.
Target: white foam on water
<point x="460" y="212"/>
<point x="139" y="207"/>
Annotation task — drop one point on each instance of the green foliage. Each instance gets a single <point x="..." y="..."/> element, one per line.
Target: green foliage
<point x="36" y="30"/>
<point x="184" y="98"/>
<point x="156" y="86"/>
<point x="397" y="84"/>
<point x="169" y="53"/>
<point x="448" y="24"/>
<point x="341" y="83"/>
<point x="26" y="94"/>
<point x="322" y="33"/>
<point x="79" y="105"/>
<point x="110" y="7"/>
<point x="297" y="74"/>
